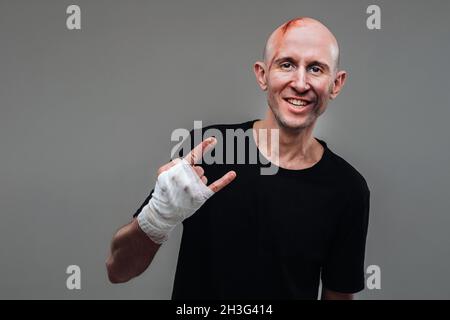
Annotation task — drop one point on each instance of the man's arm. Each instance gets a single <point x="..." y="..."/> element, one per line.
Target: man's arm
<point x="134" y="245"/>
<point x="328" y="294"/>
<point x="132" y="251"/>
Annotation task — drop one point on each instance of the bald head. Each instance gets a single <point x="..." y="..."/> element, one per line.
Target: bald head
<point x="305" y="25"/>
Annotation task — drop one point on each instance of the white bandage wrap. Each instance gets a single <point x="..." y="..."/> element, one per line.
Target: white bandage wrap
<point x="178" y="193"/>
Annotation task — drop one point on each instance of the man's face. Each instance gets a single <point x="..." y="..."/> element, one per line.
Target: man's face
<point x="300" y="72"/>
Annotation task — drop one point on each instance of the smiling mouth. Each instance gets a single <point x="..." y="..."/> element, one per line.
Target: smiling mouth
<point x="297" y="103"/>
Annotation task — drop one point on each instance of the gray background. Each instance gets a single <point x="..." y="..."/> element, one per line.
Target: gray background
<point x="86" y="118"/>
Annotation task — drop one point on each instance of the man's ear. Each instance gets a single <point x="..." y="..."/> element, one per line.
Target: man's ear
<point x="338" y="84"/>
<point x="259" y="68"/>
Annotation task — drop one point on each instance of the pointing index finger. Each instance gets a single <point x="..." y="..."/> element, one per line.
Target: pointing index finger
<point x="196" y="154"/>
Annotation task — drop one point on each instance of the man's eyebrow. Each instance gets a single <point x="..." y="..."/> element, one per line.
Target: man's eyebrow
<point x="323" y="65"/>
<point x="289" y="59"/>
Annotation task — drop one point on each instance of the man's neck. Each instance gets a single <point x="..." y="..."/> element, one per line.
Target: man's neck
<point x="297" y="148"/>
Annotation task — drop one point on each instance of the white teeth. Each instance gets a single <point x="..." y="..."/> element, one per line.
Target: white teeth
<point x="297" y="102"/>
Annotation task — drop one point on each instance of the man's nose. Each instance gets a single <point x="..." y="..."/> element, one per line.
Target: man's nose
<point x="300" y="81"/>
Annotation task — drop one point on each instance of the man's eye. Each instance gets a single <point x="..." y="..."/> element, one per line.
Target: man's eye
<point x="315" y="69"/>
<point x="286" y="65"/>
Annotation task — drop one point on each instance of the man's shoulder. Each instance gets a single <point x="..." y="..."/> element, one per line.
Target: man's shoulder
<point x="347" y="173"/>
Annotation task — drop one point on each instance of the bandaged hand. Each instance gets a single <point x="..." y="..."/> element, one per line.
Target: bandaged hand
<point x="180" y="190"/>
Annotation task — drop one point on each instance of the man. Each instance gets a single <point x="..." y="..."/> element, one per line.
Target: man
<point x="263" y="236"/>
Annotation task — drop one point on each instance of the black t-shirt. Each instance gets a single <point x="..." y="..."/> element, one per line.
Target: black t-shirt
<point x="275" y="236"/>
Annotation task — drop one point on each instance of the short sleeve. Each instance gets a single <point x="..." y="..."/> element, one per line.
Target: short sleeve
<point x="343" y="270"/>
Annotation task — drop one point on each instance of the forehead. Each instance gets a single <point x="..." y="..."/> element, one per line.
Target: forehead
<point x="304" y="43"/>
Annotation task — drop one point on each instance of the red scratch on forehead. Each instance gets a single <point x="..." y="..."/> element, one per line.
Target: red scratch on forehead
<point x="281" y="33"/>
<point x="290" y="24"/>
